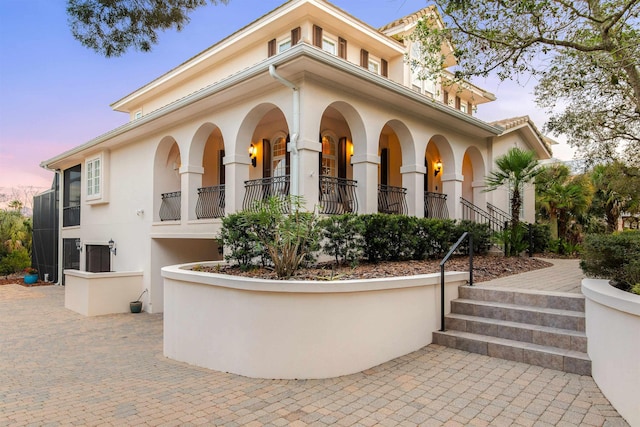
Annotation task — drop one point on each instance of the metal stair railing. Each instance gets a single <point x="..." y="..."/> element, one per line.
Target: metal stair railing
<point x="498" y="214"/>
<point x="443" y="262"/>
<point x="474" y="213"/>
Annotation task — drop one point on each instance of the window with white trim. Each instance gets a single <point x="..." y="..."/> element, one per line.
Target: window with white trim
<point x="94" y="177"/>
<point x="284" y="45"/>
<point x="374" y="66"/>
<point x="329" y="46"/>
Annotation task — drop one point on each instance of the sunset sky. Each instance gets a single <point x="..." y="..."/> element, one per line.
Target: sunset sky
<point x="55" y="94"/>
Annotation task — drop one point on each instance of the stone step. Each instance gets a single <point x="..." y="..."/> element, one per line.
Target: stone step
<point x="555" y="318"/>
<point x="533" y="354"/>
<point x="532" y="298"/>
<point x="543" y="335"/>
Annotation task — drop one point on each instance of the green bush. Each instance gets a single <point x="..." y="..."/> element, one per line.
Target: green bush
<point x="238" y="238"/>
<point x="433" y="237"/>
<point x="613" y="256"/>
<point x="14" y="261"/>
<point x="541" y="237"/>
<point x="343" y="238"/>
<point x="481" y="237"/>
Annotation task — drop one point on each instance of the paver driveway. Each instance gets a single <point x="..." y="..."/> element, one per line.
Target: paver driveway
<point x="60" y="368"/>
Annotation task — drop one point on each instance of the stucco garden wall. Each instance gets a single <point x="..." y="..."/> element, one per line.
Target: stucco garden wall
<point x="298" y="329"/>
<point x="613" y="333"/>
<point x="95" y="294"/>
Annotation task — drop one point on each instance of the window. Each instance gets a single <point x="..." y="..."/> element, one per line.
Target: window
<point x="98" y="258"/>
<point x="94" y="178"/>
<point x="279" y="157"/>
<point x="72" y="178"/>
<point x="374" y="66"/>
<point x="284" y="45"/>
<point x="329" y="46"/>
<point x="138" y="114"/>
<point x="328" y="156"/>
<point x="463" y="108"/>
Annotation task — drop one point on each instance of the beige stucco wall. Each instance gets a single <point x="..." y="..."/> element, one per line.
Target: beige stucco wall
<point x="613" y="332"/>
<point x="293" y="329"/>
<point x="95" y="294"/>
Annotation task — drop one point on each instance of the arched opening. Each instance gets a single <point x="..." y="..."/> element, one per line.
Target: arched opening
<point x="269" y="170"/>
<point x="166" y="180"/>
<point x="435" y="200"/>
<point x="337" y="188"/>
<point x="392" y="196"/>
<point x="207" y="149"/>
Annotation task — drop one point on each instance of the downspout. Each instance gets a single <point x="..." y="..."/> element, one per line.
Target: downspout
<point x="295" y="132"/>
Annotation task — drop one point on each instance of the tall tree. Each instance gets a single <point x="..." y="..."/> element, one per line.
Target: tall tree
<point x="110" y="27"/>
<point x="617" y="190"/>
<point x="514" y="169"/>
<point x="562" y="197"/>
<point x="585" y="55"/>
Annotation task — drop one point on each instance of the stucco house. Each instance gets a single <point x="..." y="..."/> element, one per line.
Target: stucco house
<point x="307" y="100"/>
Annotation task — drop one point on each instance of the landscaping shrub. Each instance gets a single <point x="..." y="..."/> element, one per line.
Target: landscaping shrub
<point x="238" y="237"/>
<point x="343" y="238"/>
<point x="433" y="237"/>
<point x="389" y="237"/>
<point x="613" y="256"/>
<point x="481" y="237"/>
<point x="541" y="237"/>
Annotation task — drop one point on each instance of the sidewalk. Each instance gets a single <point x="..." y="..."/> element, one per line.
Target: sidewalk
<point x="564" y="276"/>
<point x="60" y="368"/>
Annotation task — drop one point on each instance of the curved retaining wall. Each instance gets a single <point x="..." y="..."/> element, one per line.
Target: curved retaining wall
<point x="298" y="329"/>
<point x="613" y="334"/>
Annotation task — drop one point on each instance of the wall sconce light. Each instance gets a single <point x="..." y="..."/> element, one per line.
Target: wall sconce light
<point x="78" y="245"/>
<point x="112" y="246"/>
<point x="438" y="168"/>
<point x="253" y="154"/>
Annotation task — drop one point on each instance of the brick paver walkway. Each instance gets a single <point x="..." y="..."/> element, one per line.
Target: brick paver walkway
<point x="564" y="276"/>
<point x="60" y="368"/>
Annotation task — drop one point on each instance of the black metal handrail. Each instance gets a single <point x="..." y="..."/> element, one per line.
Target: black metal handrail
<point x="170" y="207"/>
<point x="443" y="262"/>
<point x="259" y="190"/>
<point x="392" y="200"/>
<point x="498" y="214"/>
<point x="337" y="195"/>
<point x="476" y="214"/>
<point x="210" y="202"/>
<point x="435" y="205"/>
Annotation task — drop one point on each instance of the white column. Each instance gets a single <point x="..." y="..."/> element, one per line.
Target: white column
<point x="413" y="181"/>
<point x="236" y="173"/>
<point x="308" y="179"/>
<point x="452" y="187"/>
<point x="190" y="181"/>
<point x="365" y="172"/>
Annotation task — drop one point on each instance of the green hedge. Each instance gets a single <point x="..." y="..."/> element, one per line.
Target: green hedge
<point x="613" y="256"/>
<point x="348" y="238"/>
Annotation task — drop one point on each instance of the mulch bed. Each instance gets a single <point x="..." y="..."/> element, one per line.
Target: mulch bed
<point x="485" y="268"/>
<point x="15" y="279"/>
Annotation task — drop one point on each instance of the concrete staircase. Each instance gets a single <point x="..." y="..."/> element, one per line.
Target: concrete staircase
<point x="540" y="328"/>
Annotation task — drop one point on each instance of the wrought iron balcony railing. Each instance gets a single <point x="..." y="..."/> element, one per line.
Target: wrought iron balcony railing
<point x="259" y="190"/>
<point x="435" y="205"/>
<point x="337" y="195"/>
<point x="170" y="207"/>
<point x="210" y="202"/>
<point x="392" y="200"/>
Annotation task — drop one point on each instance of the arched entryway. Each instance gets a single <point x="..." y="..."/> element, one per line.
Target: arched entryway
<point x="437" y="157"/>
<point x="270" y="159"/>
<point x="337" y="189"/>
<point x="166" y="180"/>
<point x="392" y="196"/>
<point x="207" y="151"/>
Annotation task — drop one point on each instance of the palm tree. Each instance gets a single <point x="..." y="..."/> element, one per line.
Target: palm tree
<point x="515" y="168"/>
<point x="562" y="197"/>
